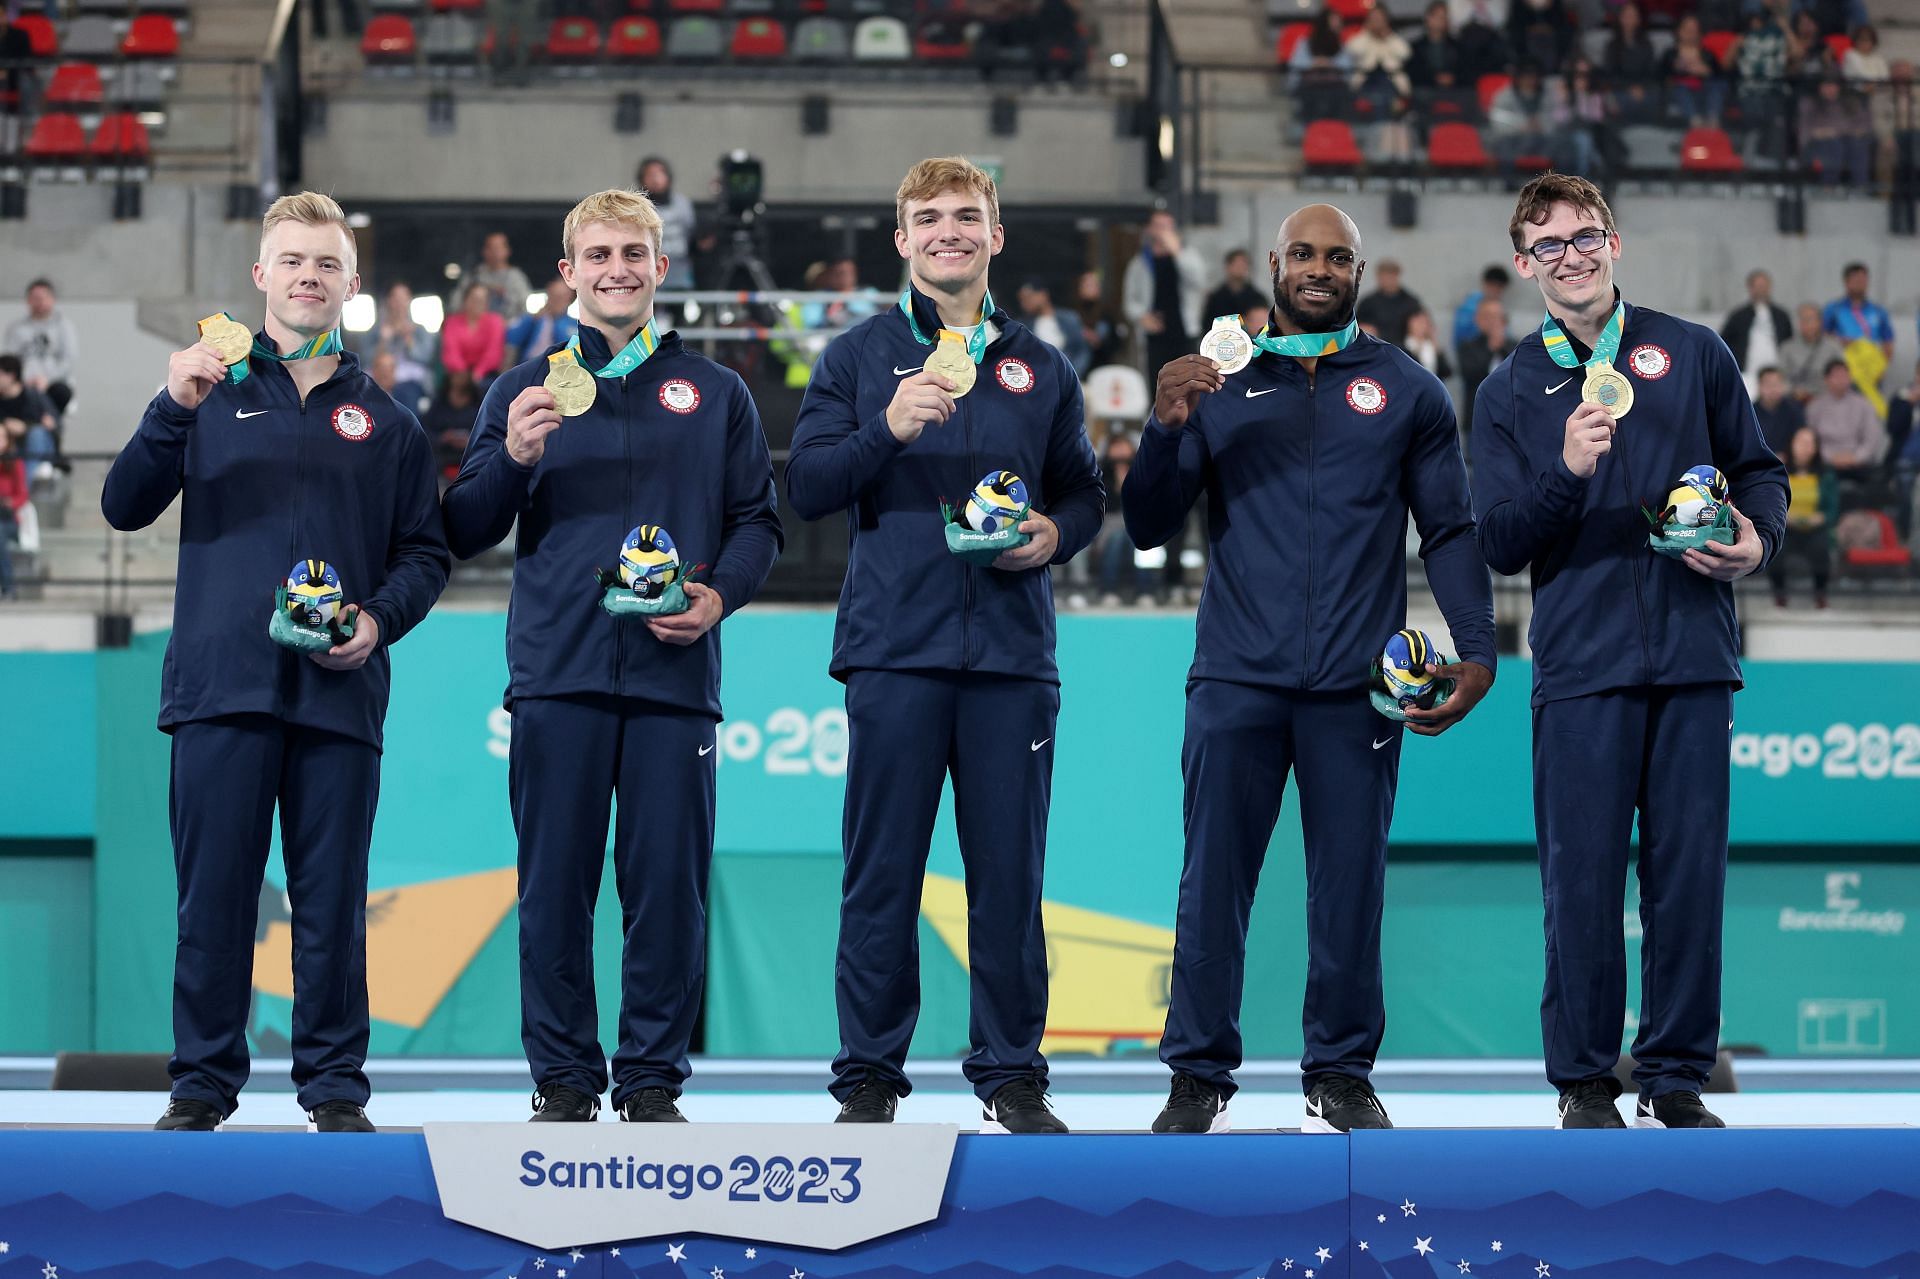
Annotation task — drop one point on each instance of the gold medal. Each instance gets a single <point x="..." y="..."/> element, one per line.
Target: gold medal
<point x="951" y="361"/>
<point x="228" y="338"/>
<point x="1227" y="345"/>
<point x="1608" y="388"/>
<point x="572" y="387"/>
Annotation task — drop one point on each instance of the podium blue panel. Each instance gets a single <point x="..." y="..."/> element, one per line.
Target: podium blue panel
<point x="1782" y="1203"/>
<point x="238" y="1205"/>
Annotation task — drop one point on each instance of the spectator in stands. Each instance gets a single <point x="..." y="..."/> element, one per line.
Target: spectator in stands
<point x="1833" y="17"/>
<point x="1436" y="68"/>
<point x="350" y="18"/>
<point x="1632" y="67"/>
<point x="1593" y="113"/>
<point x="1541" y="31"/>
<point x="449" y="422"/>
<point x="1110" y="335"/>
<point x="505" y="283"/>
<point x="518" y="28"/>
<point x="1779" y="413"/>
<point x="1851" y="435"/>
<point x="13" y="499"/>
<point x="1804" y="356"/>
<point x="1320" y="69"/>
<point x="1530" y="118"/>
<point x="1477" y="28"/>
<point x="1379" y="56"/>
<point x="47" y="346"/>
<point x="26" y="416"/>
<point x="397" y="334"/>
<point x="1113" y="549"/>
<point x="1812" y="510"/>
<point x="1466" y="316"/>
<point x="1162" y="292"/>
<point x="1054" y="325"/>
<point x="1809" y="56"/>
<point x="1755" y="330"/>
<point x="474" y="341"/>
<point x="16" y="56"/>
<point x="548" y="327"/>
<point x="1421" y="343"/>
<point x="384" y="369"/>
<point x="677" y="220"/>
<point x="1896" y="129"/>
<point x="1489" y="345"/>
<point x="1696" y="91"/>
<point x="842" y="275"/>
<point x="1760" y="71"/>
<point x="1864" y="61"/>
<point x="1836" y="133"/>
<point x="1236" y="294"/>
<point x="1903" y="450"/>
<point x="1389" y="307"/>
<point x="1862" y="326"/>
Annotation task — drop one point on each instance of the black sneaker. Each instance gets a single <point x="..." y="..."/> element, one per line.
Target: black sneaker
<point x="559" y="1104"/>
<point x="1682" y="1109"/>
<point x="1192" y="1106"/>
<point x="1589" y="1104"/>
<point x="651" y="1106"/>
<point x="1020" y="1106"/>
<point x="1341" y="1103"/>
<point x="338" y="1116"/>
<point x="184" y="1114"/>
<point x="872" y="1102"/>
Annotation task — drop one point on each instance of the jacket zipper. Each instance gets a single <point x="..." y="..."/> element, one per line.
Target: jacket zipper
<point x="626" y="500"/>
<point x="1636" y="559"/>
<point x="1306" y="638"/>
<point x="289" y="659"/>
<point x="966" y="569"/>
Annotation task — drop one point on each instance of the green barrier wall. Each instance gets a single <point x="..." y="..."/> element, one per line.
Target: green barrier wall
<point x="1826" y="763"/>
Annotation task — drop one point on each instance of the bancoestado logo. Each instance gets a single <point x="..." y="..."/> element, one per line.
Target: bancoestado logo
<point x="809" y="1179"/>
<point x="1872" y="752"/>
<point x="1844" y="913"/>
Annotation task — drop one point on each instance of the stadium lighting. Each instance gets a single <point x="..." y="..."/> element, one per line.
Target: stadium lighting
<point x="360" y="313"/>
<point x="535" y="301"/>
<point x="1117" y="60"/>
<point x="427" y="312"/>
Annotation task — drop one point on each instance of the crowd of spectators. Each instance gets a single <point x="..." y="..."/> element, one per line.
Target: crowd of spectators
<point x="1557" y="81"/>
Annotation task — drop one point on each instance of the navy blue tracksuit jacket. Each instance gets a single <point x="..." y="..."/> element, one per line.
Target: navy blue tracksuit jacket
<point x="264" y="481"/>
<point x="1635" y="661"/>
<point x="932" y="650"/>
<point x="601" y="708"/>
<point x="1310" y="481"/>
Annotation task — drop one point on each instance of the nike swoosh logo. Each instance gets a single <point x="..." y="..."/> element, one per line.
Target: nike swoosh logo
<point x="1552" y="389"/>
<point x="705" y="751"/>
<point x="1037" y="745"/>
<point x="1315" y="1109"/>
<point x="255" y="413"/>
<point x="904" y="372"/>
<point x="1253" y="394"/>
<point x="1382" y="742"/>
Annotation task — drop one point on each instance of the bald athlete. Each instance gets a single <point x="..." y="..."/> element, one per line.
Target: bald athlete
<point x="1312" y="457"/>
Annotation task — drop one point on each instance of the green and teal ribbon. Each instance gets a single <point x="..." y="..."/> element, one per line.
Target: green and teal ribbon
<point x="327" y="343"/>
<point x="976" y="340"/>
<point x="1560" y="347"/>
<point x="1307" y="346"/>
<point x="627" y="358"/>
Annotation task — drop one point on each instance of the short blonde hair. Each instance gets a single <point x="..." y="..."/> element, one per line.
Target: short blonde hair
<point x="618" y="205"/>
<point x="311" y="209"/>
<point x="929" y="178"/>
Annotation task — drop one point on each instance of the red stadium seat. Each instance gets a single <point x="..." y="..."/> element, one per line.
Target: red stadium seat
<point x="1290" y="37"/>
<point x="1329" y="144"/>
<point x="1719" y="44"/>
<point x="1489" y="86"/>
<point x="696" y="6"/>
<point x="633" y="39"/>
<point x="75" y="84"/>
<point x="1351" y="11"/>
<point x="942" y="42"/>
<point x="1457" y="147"/>
<point x="759" y="38"/>
<point x="1891" y="553"/>
<point x="458" y="6"/>
<point x="57" y="138"/>
<point x="151" y="36"/>
<point x="388" y="38"/>
<point x="573" y="40"/>
<point x="1840" y="44"/>
<point x="1709" y="151"/>
<point x="122" y="137"/>
<point x="40" y="34"/>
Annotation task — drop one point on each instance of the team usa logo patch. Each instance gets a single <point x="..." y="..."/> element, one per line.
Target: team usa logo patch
<point x="1015" y="375"/>
<point x="679" y="395"/>
<point x="1650" y="362"/>
<point x="351" y="422"/>
<point x="1364" y="395"/>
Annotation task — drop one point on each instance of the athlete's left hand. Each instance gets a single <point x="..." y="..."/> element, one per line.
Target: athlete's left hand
<point x="353" y="654"/>
<point x="1471" y="681"/>
<point x="1038" y="552"/>
<point x="1723" y="562"/>
<point x="702" y="615"/>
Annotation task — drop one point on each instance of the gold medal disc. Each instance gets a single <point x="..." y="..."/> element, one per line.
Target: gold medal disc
<point x="951" y="361"/>
<point x="1228" y="346"/>
<point x="1609" y="389"/>
<point x="228" y="338"/>
<point x="572" y="387"/>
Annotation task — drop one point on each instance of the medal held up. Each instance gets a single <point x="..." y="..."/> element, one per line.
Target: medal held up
<point x="1604" y="385"/>
<point x="988" y="522"/>
<point x="1227" y="345"/>
<point x="309" y="612"/>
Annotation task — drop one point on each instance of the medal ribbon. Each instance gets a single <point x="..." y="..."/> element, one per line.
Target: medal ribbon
<point x="1604" y="349"/>
<point x="327" y="343"/>
<point x="627" y="358"/>
<point x="1307" y="345"/>
<point x="976" y="340"/>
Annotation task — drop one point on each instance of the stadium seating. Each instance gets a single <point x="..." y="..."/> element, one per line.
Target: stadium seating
<point x="695" y="37"/>
<point x="881" y="39"/>
<point x="573" y="40"/>
<point x="40" y="34"/>
<point x="122" y="138"/>
<point x="1456" y="148"/>
<point x="57" y="139"/>
<point x="151" y="35"/>
<point x="1488" y="88"/>
<point x="1706" y="150"/>
<point x="75" y="86"/>
<point x="758" y="39"/>
<point x="1889" y="556"/>
<point x="634" y="39"/>
<point x="91" y="38"/>
<point x="696" y="6"/>
<point x="819" y="39"/>
<point x="1841" y="45"/>
<point x="1289" y="39"/>
<point x="459" y="6"/>
<point x="942" y="40"/>
<point x="1719" y="44"/>
<point x="1329" y="146"/>
<point x="452" y="39"/>
<point x="388" y="39"/>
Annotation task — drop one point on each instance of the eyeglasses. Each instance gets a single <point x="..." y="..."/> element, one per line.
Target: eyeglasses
<point x="1591" y="240"/>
